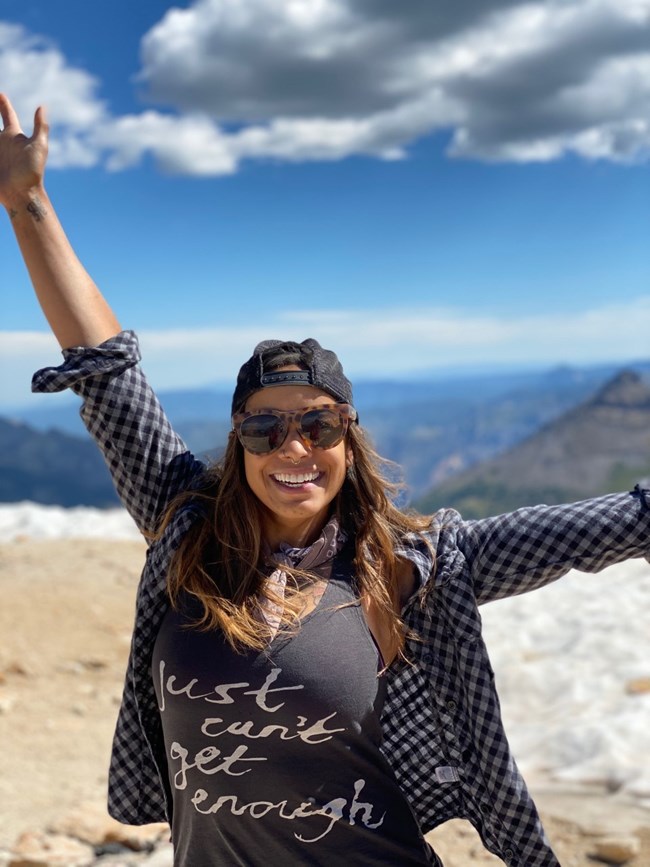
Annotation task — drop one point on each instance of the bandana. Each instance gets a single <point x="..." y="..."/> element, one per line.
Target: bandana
<point x="320" y="552"/>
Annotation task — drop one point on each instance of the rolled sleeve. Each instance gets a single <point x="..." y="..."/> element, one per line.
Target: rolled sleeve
<point x="115" y="355"/>
<point x="149" y="463"/>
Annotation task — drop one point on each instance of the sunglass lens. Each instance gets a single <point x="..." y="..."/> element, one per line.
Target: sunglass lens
<point x="262" y="434"/>
<point x="323" y="427"/>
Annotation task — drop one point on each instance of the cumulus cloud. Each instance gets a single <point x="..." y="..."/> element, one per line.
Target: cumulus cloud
<point x="510" y="81"/>
<point x="299" y="80"/>
<point x="33" y="70"/>
<point x="371" y="343"/>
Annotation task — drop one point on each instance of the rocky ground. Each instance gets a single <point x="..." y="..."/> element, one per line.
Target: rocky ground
<point x="65" y="624"/>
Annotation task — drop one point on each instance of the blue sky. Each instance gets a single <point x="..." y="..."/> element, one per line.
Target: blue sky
<point x="419" y="186"/>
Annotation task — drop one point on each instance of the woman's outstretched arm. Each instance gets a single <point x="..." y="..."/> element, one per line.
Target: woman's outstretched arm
<point x="75" y="308"/>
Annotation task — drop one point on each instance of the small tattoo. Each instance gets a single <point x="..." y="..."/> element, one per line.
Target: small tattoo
<point x="13" y="213"/>
<point x="37" y="210"/>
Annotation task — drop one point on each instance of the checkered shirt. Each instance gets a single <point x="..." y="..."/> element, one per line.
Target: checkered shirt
<point x="443" y="733"/>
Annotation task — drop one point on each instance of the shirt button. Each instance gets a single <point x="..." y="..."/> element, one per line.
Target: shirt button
<point x="509" y="853"/>
<point x="451" y="705"/>
<point x="485" y="808"/>
<point x="427" y="658"/>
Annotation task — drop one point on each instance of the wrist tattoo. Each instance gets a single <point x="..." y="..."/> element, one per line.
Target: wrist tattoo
<point x="37" y="210"/>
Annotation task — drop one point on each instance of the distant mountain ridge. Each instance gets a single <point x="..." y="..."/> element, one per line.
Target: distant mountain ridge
<point x="432" y="430"/>
<point x="211" y="406"/>
<point x="599" y="447"/>
<point x="51" y="468"/>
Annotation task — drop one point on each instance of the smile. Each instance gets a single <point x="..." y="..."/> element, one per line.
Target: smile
<point x="295" y="478"/>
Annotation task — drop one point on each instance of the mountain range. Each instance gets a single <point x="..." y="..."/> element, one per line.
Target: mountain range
<point x="439" y="432"/>
<point x="52" y="468"/>
<point x="600" y="446"/>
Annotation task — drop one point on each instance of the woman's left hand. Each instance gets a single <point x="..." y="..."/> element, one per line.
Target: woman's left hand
<point x="22" y="158"/>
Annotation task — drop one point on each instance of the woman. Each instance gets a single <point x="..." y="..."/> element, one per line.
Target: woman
<point x="307" y="680"/>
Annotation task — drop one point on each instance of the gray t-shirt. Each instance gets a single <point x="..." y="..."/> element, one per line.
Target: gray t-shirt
<point x="274" y="757"/>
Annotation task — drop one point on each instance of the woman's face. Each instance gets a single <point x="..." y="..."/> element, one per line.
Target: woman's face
<point x="296" y="483"/>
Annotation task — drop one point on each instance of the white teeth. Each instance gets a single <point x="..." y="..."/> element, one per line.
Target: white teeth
<point x="295" y="478"/>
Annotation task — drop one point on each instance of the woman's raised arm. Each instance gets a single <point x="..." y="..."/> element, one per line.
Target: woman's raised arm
<point x="76" y="310"/>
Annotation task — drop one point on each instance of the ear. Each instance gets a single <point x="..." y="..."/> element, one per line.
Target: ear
<point x="349" y="457"/>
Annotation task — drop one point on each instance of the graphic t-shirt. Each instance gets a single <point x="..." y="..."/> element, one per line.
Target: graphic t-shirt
<point x="274" y="757"/>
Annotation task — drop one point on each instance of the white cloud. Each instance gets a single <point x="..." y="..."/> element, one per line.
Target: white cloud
<point x="188" y="145"/>
<point x="375" y="344"/>
<point x="21" y="352"/>
<point x="321" y="78"/>
<point x="16" y="345"/>
<point x="34" y="71"/>
<point x="300" y="80"/>
<point x="378" y="342"/>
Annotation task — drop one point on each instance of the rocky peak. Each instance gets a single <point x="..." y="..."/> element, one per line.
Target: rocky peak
<point x="627" y="389"/>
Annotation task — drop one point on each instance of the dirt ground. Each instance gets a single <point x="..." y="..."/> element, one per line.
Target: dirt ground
<point x="65" y="621"/>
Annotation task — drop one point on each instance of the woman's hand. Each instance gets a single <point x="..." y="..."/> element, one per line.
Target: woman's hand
<point x="73" y="305"/>
<point x="22" y="158"/>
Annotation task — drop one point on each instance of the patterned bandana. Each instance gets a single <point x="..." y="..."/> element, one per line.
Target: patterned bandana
<point x="324" y="549"/>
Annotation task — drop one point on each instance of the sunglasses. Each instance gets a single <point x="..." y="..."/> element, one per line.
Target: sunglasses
<point x="263" y="431"/>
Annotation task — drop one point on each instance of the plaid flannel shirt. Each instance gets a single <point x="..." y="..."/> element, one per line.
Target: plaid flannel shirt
<point x="443" y="733"/>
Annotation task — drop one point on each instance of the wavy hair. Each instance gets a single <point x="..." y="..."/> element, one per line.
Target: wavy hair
<point x="221" y="561"/>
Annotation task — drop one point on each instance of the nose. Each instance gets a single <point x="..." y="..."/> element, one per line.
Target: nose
<point x="295" y="446"/>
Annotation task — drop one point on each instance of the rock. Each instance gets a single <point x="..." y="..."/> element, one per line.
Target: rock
<point x="110" y="849"/>
<point x="6" y="703"/>
<point x="70" y="667"/>
<point x="89" y="823"/>
<point x="617" y="850"/>
<point x="162" y="857"/>
<point x="13" y="669"/>
<point x="138" y="837"/>
<point x="93" y="664"/>
<point x="18" y="668"/>
<point x="33" y="849"/>
<point x="638" y="686"/>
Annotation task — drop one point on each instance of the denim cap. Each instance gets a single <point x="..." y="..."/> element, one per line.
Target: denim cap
<point x="322" y="369"/>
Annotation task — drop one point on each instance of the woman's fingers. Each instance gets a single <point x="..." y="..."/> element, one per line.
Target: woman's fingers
<point x="22" y="159"/>
<point x="41" y="126"/>
<point x="8" y="114"/>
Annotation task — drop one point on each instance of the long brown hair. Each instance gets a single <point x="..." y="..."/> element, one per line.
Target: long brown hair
<point x="221" y="559"/>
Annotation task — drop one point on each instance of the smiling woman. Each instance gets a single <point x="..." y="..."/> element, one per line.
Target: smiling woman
<point x="297" y="481"/>
<point x="307" y="680"/>
<point x="296" y="465"/>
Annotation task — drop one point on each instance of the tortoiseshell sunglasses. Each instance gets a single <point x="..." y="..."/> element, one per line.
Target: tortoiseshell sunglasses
<point x="263" y="431"/>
